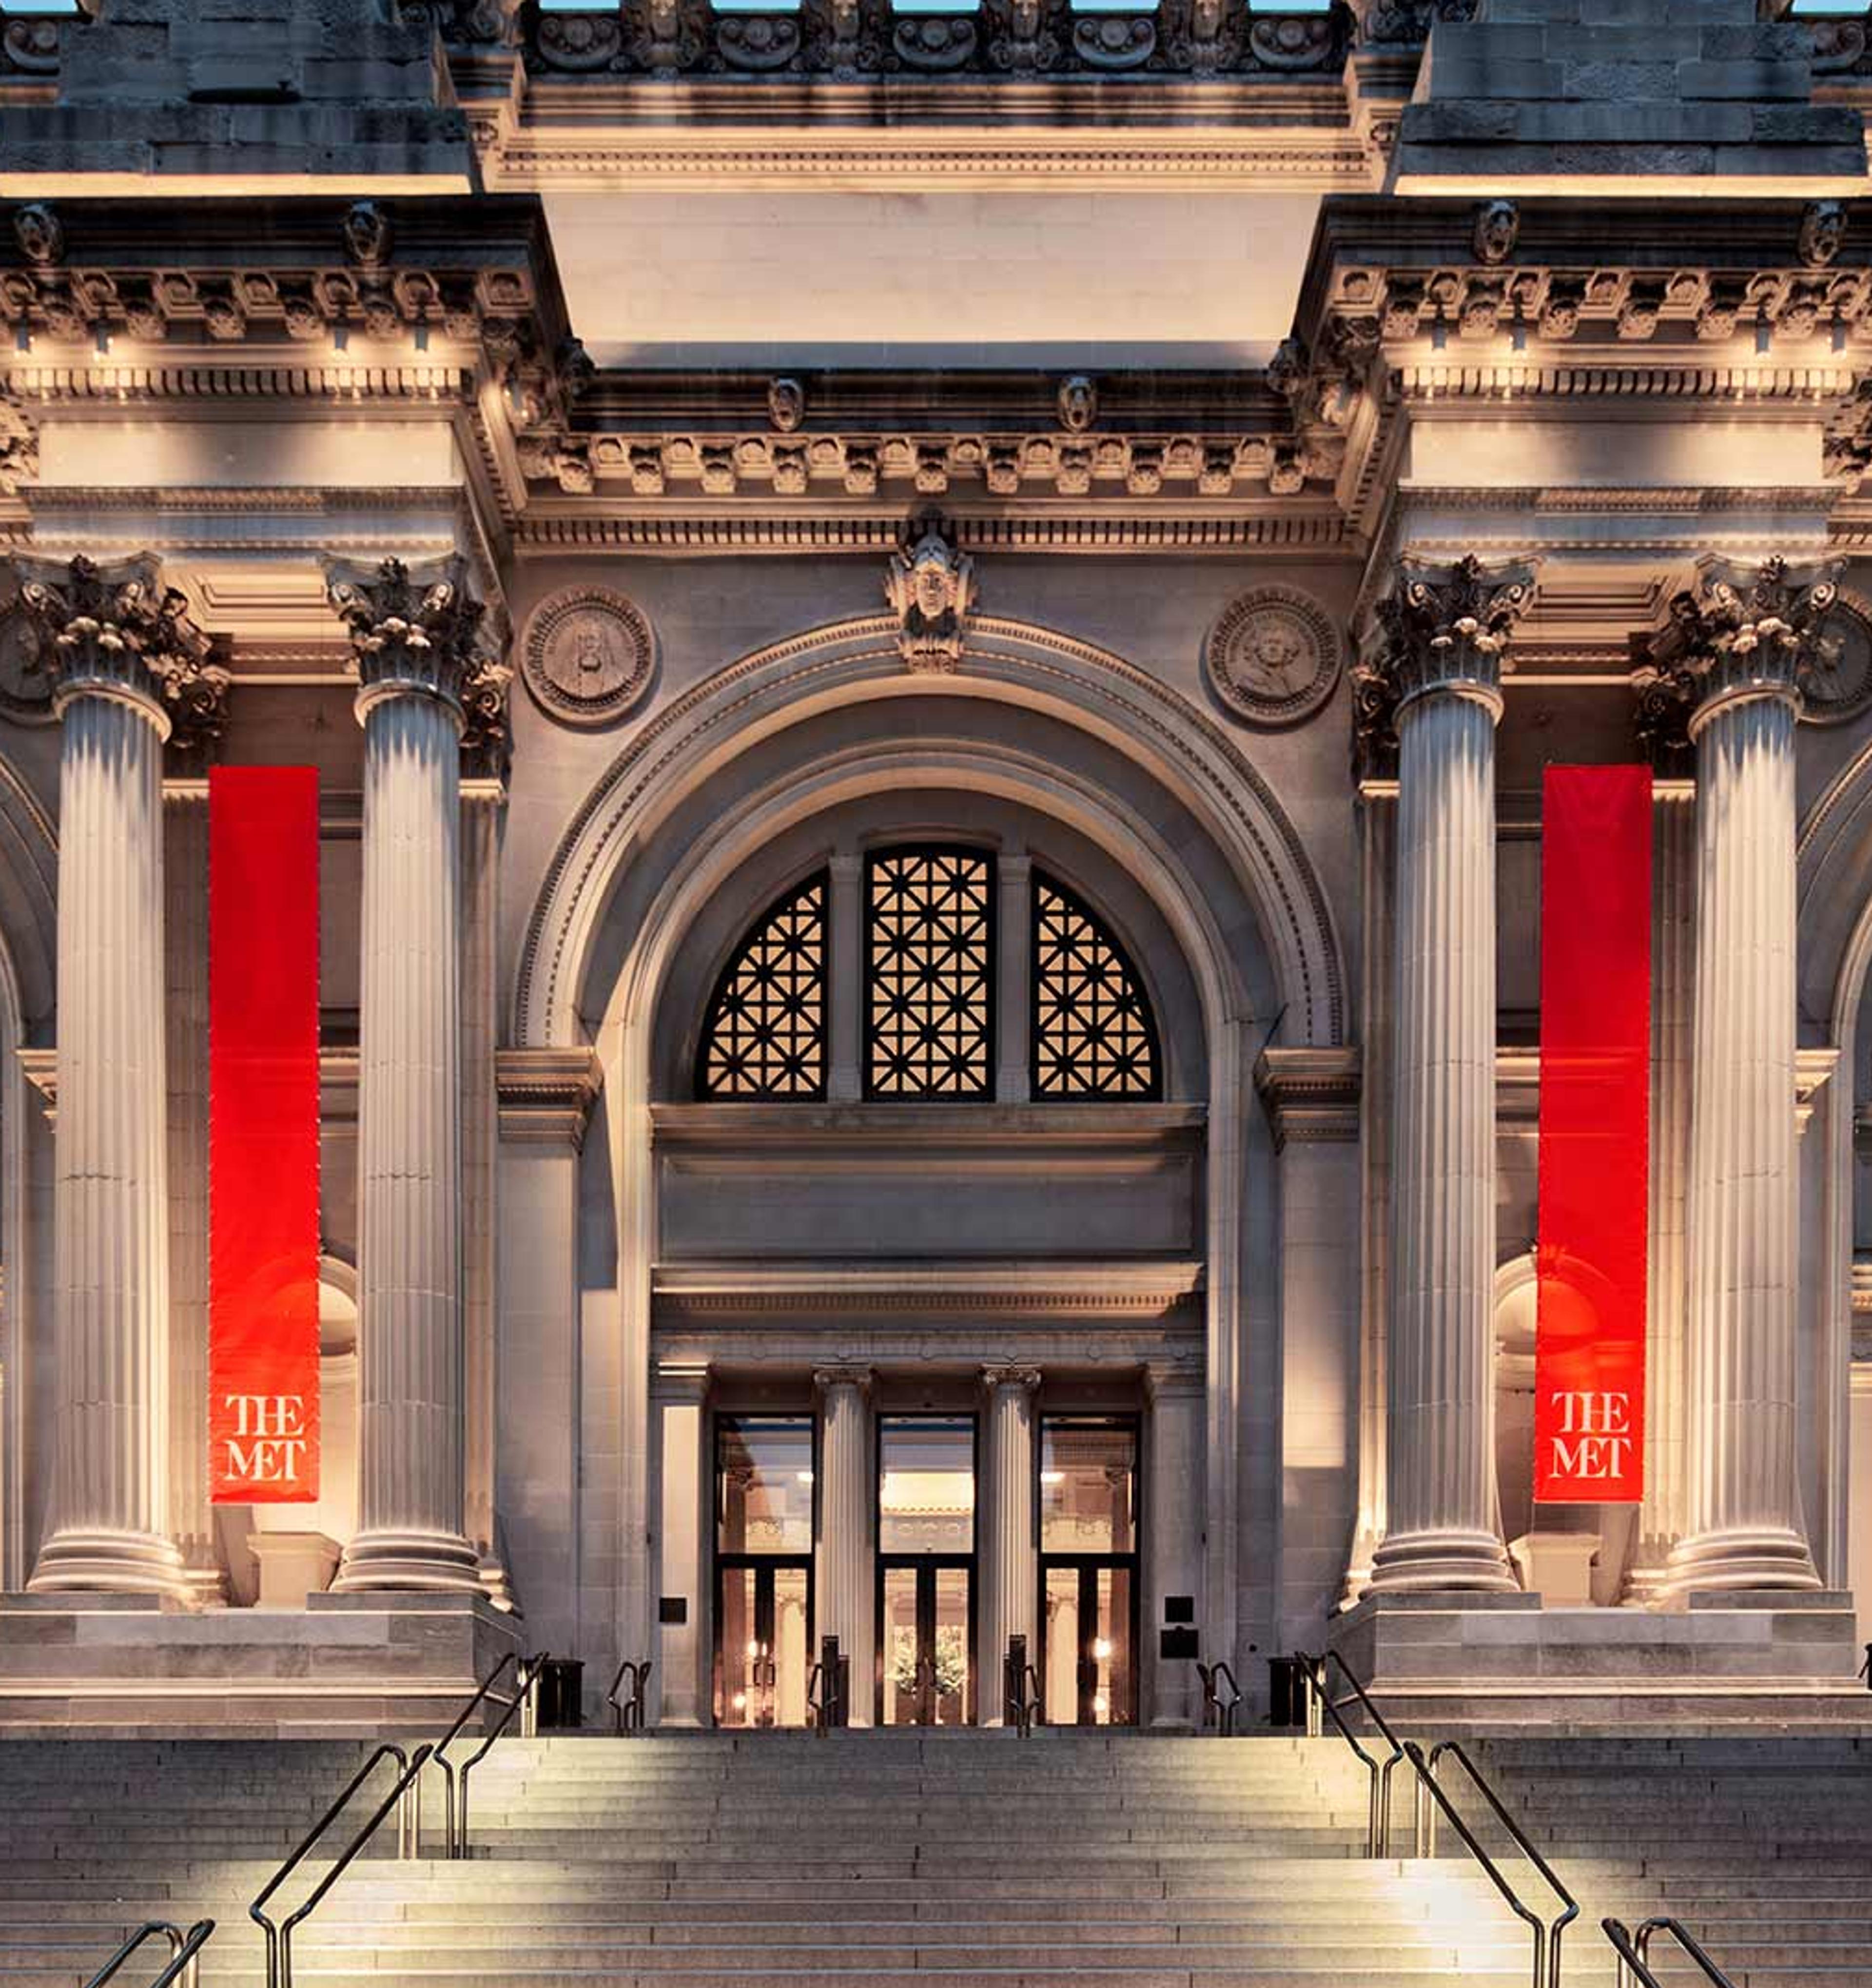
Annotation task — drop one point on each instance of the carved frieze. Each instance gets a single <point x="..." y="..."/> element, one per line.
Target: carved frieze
<point x="849" y="40"/>
<point x="588" y="655"/>
<point x="1273" y="657"/>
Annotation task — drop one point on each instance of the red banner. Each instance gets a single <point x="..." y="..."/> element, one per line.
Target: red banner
<point x="263" y="1149"/>
<point x="1596" y="1038"/>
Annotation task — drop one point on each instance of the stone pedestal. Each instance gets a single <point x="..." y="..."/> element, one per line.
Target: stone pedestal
<point x="330" y="1666"/>
<point x="293" y="1566"/>
<point x="1558" y="1566"/>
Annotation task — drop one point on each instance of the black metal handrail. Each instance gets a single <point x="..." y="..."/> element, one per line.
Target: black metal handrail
<point x="1219" y="1711"/>
<point x="1634" y="1951"/>
<point x="630" y="1711"/>
<point x="1026" y="1704"/>
<point x="823" y="1697"/>
<point x="1320" y="1706"/>
<point x="279" y="1936"/>
<point x="183" y="1948"/>
<point x="453" y="1828"/>
<point x="1431" y="1790"/>
<point x="526" y="1688"/>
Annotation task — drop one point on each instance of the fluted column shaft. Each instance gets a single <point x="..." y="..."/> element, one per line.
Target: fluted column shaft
<point x="844" y="1603"/>
<point x="1744" y="1518"/>
<point x="185" y="870"/>
<point x="1011" y="1575"/>
<point x="1442" y="1528"/>
<point x="410" y="1488"/>
<point x="110" y="1223"/>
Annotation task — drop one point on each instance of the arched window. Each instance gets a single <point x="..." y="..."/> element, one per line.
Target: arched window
<point x="1093" y="1036"/>
<point x="924" y="1020"/>
<point x="765" y="1034"/>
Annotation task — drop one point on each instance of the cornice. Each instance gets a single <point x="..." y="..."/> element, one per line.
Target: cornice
<point x="739" y="1129"/>
<point x="545" y="1095"/>
<point x="1058" y="1289"/>
<point x="1311" y="1095"/>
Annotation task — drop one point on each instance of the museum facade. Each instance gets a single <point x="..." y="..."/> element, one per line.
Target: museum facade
<point x="930" y="641"/>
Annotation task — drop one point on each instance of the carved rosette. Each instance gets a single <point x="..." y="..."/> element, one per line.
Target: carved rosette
<point x="412" y="631"/>
<point x="1739" y="632"/>
<point x="118" y="631"/>
<point x="1442" y="627"/>
<point x="931" y="590"/>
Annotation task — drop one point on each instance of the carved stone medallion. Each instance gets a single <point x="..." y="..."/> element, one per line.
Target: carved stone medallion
<point x="1838" y="684"/>
<point x="587" y="655"/>
<point x="1273" y="657"/>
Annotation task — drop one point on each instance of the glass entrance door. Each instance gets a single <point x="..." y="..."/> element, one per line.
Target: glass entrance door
<point x="764" y="1569"/>
<point x="925" y="1570"/>
<point x="1088" y="1569"/>
<point x="1087" y="1630"/>
<point x="763" y="1635"/>
<point x="924" y="1640"/>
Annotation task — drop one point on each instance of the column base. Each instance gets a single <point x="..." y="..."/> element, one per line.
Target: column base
<point x="1440" y="1562"/>
<point x="78" y="1561"/>
<point x="1741" y="1558"/>
<point x="429" y="1562"/>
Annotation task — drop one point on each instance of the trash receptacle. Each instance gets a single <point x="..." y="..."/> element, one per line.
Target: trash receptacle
<point x="1286" y="1692"/>
<point x="562" y="1693"/>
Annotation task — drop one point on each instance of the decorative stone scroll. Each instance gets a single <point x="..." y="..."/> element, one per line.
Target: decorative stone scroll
<point x="588" y="655"/>
<point x="1273" y="657"/>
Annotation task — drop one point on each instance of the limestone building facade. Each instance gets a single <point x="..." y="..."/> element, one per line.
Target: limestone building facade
<point x="930" y="639"/>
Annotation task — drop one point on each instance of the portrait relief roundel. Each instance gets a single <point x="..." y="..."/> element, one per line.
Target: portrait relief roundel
<point x="1273" y="657"/>
<point x="587" y="655"/>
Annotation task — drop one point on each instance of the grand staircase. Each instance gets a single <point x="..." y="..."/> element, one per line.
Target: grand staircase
<point x="939" y="1859"/>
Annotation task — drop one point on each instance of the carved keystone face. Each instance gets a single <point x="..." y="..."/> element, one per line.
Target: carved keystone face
<point x="932" y="585"/>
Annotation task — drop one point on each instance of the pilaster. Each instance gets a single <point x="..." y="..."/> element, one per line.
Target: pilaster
<point x="1173" y="1505"/>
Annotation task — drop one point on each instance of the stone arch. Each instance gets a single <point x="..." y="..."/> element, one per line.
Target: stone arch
<point x="1180" y="746"/>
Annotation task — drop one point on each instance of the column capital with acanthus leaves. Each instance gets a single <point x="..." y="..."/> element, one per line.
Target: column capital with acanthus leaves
<point x="417" y="631"/>
<point x="1440" y="628"/>
<point x="1739" y="632"/>
<point x="118" y="631"/>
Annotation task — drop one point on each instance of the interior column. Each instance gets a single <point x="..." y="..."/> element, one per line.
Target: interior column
<point x="1009" y="1584"/>
<point x="844" y="1603"/>
<point x="1739" y="647"/>
<point x="413" y="636"/>
<point x="113" y="639"/>
<point x="1447" y="628"/>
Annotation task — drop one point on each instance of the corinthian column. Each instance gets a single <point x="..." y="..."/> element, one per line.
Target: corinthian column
<point x="1737" y="649"/>
<point x="413" y="635"/>
<point x="1010" y="1579"/>
<point x="1447" y="628"/>
<point x="844" y="1603"/>
<point x="123" y="656"/>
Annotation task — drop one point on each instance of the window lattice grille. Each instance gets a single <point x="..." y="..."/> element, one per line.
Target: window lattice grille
<point x="930" y="985"/>
<point x="766" y="1032"/>
<point x="1093" y="1036"/>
